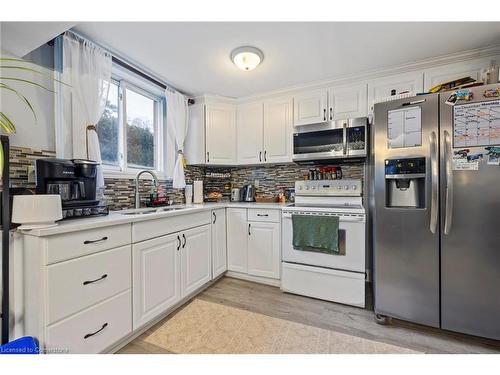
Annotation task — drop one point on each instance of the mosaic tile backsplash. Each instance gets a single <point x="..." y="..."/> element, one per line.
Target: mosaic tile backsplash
<point x="119" y="193"/>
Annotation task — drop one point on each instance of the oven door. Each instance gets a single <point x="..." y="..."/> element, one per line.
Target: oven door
<point x="351" y="244"/>
<point x="319" y="142"/>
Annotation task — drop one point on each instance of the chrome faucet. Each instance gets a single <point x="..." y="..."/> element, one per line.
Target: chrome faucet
<point x="155" y="182"/>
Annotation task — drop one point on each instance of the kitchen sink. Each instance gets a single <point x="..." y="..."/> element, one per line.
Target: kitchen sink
<point x="139" y="212"/>
<point x="151" y="211"/>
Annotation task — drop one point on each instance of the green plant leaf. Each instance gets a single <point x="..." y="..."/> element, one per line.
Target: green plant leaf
<point x="6" y="124"/>
<point x="26" y="81"/>
<point x="21" y="97"/>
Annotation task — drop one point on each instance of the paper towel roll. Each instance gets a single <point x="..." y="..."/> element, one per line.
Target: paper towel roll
<point x="198" y="191"/>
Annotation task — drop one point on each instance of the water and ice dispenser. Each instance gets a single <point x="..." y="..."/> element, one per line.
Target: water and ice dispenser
<point x="405" y="183"/>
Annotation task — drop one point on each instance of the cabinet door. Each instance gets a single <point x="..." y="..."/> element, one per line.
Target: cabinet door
<point x="194" y="149"/>
<point x="347" y="102"/>
<point x="309" y="107"/>
<point x="219" y="246"/>
<point x="249" y="133"/>
<point x="237" y="239"/>
<point x="196" y="252"/>
<point x="220" y="134"/>
<point x="449" y="72"/>
<point x="380" y="88"/>
<point x="278" y="130"/>
<point x="156" y="267"/>
<point x="264" y="249"/>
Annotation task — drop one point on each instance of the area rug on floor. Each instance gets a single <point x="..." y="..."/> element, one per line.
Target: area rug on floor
<point x="206" y="327"/>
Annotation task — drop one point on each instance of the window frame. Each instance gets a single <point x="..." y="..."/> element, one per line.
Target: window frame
<point x="127" y="80"/>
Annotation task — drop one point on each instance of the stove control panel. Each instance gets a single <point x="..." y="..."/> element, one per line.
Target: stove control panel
<point x="329" y="187"/>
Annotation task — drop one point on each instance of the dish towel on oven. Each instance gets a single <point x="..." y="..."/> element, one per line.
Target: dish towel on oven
<point x="316" y="233"/>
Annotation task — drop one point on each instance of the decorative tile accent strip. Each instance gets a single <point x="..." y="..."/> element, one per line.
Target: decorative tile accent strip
<point x="119" y="193"/>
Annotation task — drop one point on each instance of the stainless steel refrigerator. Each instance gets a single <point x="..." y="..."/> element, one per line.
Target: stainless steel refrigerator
<point x="436" y="210"/>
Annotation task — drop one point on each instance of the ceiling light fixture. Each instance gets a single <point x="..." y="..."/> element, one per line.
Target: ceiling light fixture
<point x="247" y="58"/>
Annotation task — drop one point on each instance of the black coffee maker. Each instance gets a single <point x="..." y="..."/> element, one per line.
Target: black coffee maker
<point x="75" y="181"/>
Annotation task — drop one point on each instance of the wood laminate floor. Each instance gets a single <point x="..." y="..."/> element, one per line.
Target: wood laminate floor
<point x="354" y="321"/>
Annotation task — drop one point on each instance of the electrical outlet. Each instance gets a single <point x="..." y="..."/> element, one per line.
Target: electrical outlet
<point x="31" y="174"/>
<point x="256" y="183"/>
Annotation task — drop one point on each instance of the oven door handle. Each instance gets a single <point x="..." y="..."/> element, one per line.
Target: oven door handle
<point x="350" y="219"/>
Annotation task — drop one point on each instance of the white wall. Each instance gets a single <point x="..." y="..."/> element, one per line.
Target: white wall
<point x="30" y="133"/>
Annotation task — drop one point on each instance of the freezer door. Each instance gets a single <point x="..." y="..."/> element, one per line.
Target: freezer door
<point x="470" y="239"/>
<point x="406" y="240"/>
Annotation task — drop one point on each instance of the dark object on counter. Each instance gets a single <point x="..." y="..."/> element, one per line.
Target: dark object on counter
<point x="75" y="181"/>
<point x="248" y="193"/>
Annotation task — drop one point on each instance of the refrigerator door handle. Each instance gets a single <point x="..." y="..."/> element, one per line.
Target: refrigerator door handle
<point x="434" y="182"/>
<point x="448" y="154"/>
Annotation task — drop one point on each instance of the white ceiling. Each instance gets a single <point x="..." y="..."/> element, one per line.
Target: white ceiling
<point x="20" y="38"/>
<point x="194" y="56"/>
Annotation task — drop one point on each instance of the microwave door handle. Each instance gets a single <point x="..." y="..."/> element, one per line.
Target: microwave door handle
<point x="449" y="183"/>
<point x="434" y="182"/>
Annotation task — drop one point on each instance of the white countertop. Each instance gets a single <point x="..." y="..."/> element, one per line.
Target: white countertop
<point x="118" y="217"/>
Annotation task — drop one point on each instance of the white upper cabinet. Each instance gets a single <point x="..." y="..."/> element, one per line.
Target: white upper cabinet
<point x="381" y="88"/>
<point x="347" y="101"/>
<point x="249" y="122"/>
<point x="310" y="107"/>
<point x="194" y="147"/>
<point x="220" y="134"/>
<point x="278" y="130"/>
<point x="446" y="73"/>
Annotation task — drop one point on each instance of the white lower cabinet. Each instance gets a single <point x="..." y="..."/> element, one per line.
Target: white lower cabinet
<point x="156" y="273"/>
<point x="253" y="246"/>
<point x="219" y="245"/>
<point x="264" y="249"/>
<point x="237" y="239"/>
<point x="195" y="259"/>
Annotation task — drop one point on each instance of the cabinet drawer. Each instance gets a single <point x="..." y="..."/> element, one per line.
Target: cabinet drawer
<point x="148" y="229"/>
<point x="72" y="245"/>
<point x="76" y="284"/>
<point x="93" y="330"/>
<point x="272" y="216"/>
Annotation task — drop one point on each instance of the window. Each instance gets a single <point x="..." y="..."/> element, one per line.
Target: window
<point x="131" y="128"/>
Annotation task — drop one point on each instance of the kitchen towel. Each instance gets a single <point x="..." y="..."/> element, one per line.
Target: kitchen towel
<point x="316" y="233"/>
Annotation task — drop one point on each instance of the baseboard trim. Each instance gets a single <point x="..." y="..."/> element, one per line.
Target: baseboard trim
<point x="256" y="279"/>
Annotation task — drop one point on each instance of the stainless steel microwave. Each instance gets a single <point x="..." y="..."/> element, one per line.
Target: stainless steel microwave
<point x="332" y="140"/>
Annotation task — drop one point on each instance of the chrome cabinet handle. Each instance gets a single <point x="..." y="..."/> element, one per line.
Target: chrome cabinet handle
<point x="96" y="332"/>
<point x="449" y="183"/>
<point x="96" y="280"/>
<point x="434" y="182"/>
<point x="249" y="233"/>
<point x="215" y="217"/>
<point x="178" y="243"/>
<point x="184" y="238"/>
<point x="94" y="241"/>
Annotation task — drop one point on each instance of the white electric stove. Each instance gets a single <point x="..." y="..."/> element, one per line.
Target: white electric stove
<point x="340" y="277"/>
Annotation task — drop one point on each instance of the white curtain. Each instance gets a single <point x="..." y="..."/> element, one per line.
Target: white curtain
<point x="177" y="127"/>
<point x="88" y="68"/>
